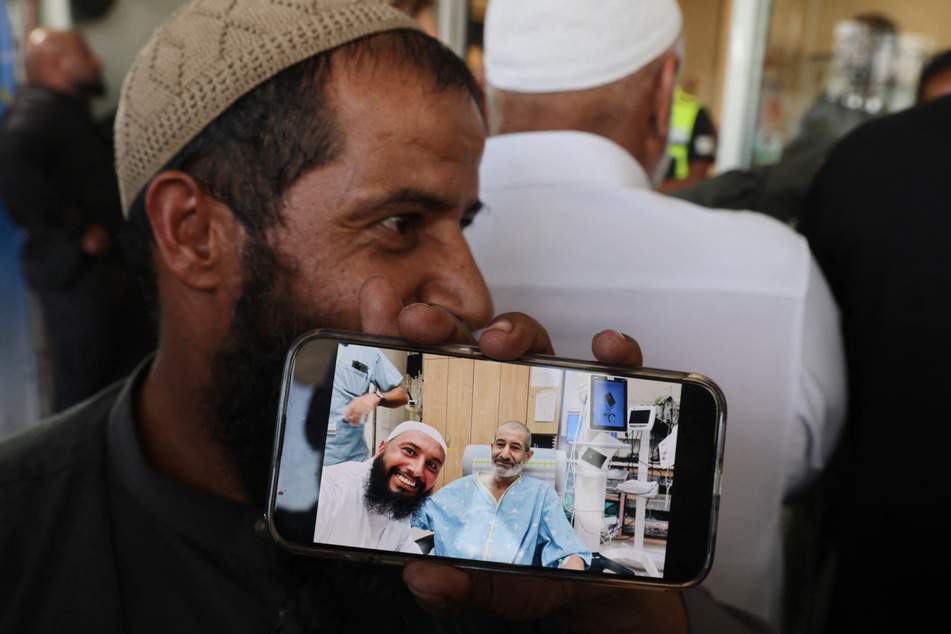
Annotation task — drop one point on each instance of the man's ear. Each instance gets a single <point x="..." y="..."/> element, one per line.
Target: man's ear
<point x="529" y="455"/>
<point x="197" y="236"/>
<point x="664" y="95"/>
<point x="379" y="450"/>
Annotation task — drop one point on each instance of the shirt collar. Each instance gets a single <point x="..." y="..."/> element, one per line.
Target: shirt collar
<point x="558" y="157"/>
<point x="199" y="516"/>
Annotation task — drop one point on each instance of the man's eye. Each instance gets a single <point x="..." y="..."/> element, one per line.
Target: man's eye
<point x="469" y="216"/>
<point x="401" y="224"/>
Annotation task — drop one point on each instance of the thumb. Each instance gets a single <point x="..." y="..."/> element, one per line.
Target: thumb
<point x="443" y="591"/>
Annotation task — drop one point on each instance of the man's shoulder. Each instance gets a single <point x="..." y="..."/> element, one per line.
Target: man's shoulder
<point x="645" y="239"/>
<point x="611" y="206"/>
<point x="68" y="441"/>
<point x="55" y="528"/>
<point x="453" y="488"/>
<point x="540" y="486"/>
<point x="346" y="472"/>
<point x="927" y="123"/>
<point x="470" y="479"/>
<point x="32" y="110"/>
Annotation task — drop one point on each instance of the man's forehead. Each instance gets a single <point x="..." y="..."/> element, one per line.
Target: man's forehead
<point x="510" y="434"/>
<point x="420" y="441"/>
<point x="367" y="66"/>
<point x="384" y="60"/>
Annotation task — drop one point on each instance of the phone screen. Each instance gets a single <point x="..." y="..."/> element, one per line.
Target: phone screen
<point x="500" y="466"/>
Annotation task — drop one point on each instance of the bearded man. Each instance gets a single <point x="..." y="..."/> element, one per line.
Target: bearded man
<point x="284" y="166"/>
<point x="369" y="504"/>
<point x="464" y="514"/>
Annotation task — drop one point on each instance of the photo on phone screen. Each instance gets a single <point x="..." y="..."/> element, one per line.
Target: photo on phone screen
<point x="383" y="450"/>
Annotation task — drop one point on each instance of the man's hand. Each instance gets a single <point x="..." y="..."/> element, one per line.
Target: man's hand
<point x="359" y="408"/>
<point x="572" y="562"/>
<point x="444" y="591"/>
<point x="507" y="337"/>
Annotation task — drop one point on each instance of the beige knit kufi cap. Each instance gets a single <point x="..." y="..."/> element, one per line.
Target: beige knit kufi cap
<point x="538" y="46"/>
<point x="212" y="52"/>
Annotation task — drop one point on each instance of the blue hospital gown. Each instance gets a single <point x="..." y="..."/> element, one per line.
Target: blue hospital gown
<point x="527" y="526"/>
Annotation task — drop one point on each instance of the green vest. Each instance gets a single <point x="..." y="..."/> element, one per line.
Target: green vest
<point x="686" y="109"/>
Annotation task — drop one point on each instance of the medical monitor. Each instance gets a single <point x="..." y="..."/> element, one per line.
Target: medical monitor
<point x="641" y="418"/>
<point x="573" y="421"/>
<point x="608" y="404"/>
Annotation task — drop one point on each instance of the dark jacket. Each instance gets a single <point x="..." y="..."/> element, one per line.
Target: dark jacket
<point x="57" y="178"/>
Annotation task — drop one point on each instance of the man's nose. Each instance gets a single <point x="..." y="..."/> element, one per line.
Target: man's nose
<point x="415" y="466"/>
<point x="457" y="285"/>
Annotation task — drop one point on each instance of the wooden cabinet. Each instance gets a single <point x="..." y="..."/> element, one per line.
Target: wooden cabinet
<point x="466" y="400"/>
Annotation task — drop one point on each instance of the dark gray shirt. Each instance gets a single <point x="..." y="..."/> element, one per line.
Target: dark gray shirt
<point x="101" y="542"/>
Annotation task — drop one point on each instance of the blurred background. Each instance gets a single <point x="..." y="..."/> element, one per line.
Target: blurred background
<point x="758" y="66"/>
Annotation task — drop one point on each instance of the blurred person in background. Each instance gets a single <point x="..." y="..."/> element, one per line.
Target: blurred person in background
<point x="877" y="220"/>
<point x="58" y="182"/>
<point x="858" y="90"/>
<point x="580" y="106"/>
<point x="693" y="143"/>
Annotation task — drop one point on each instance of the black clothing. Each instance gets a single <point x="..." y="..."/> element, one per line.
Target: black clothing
<point x="100" y="542"/>
<point x="94" y="540"/>
<point x="879" y="222"/>
<point x="57" y="180"/>
<point x="780" y="189"/>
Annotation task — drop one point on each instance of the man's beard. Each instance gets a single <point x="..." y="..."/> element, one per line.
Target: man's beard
<point x="242" y="399"/>
<point x="379" y="499"/>
<point x="502" y="470"/>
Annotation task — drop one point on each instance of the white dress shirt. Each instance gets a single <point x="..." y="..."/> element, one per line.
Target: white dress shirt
<point x="573" y="236"/>
<point x="343" y="519"/>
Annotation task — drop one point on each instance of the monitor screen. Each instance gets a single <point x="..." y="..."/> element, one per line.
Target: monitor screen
<point x="641" y="417"/>
<point x="573" y="420"/>
<point x="608" y="404"/>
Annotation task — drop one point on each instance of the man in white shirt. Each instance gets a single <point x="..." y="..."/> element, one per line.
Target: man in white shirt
<point x="370" y="504"/>
<point x="579" y="105"/>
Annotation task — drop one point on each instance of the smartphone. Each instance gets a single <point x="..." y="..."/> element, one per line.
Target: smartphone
<point x="619" y="482"/>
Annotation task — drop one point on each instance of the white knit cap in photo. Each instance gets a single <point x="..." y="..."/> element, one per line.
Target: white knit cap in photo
<point x="536" y="46"/>
<point x="412" y="425"/>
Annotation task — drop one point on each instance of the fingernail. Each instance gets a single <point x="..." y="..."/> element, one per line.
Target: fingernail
<point x="502" y="325"/>
<point x="437" y="601"/>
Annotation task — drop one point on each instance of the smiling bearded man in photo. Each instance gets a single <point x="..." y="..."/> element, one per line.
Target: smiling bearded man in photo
<point x="369" y="504"/>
